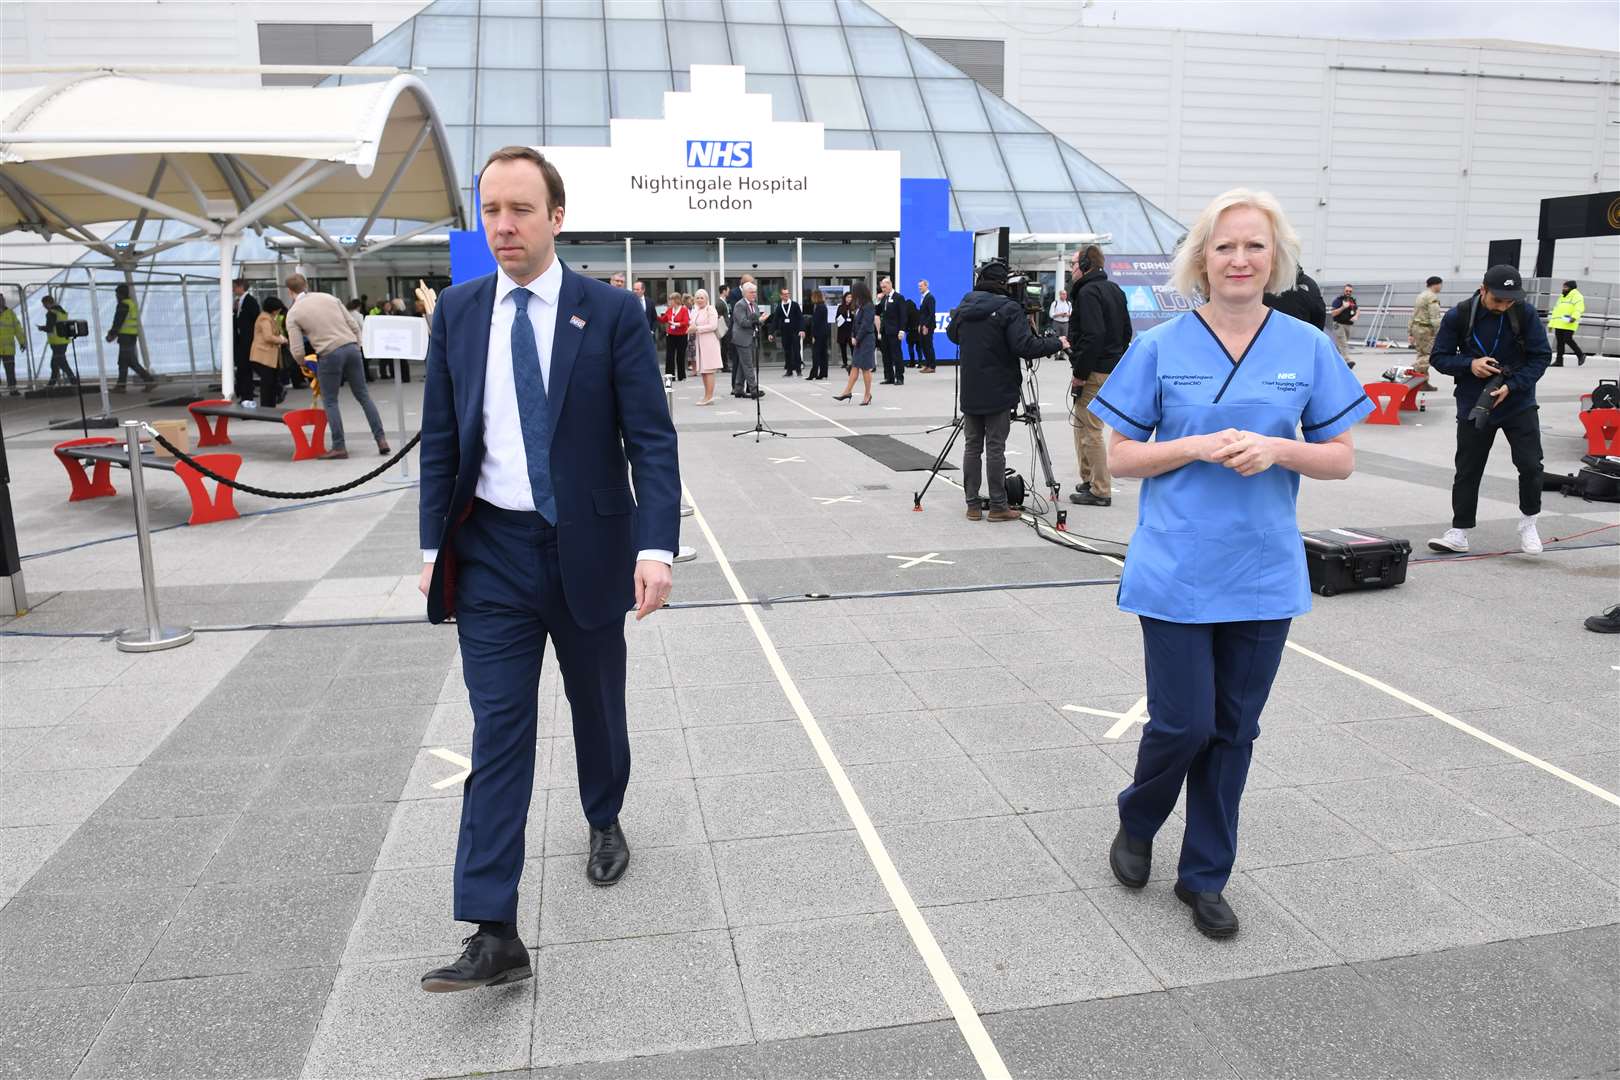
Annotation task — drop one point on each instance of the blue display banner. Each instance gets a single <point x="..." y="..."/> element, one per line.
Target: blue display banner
<point x="930" y="250"/>
<point x="1145" y="280"/>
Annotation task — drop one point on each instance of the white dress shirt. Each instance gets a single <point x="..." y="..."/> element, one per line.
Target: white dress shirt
<point x="503" y="477"/>
<point x="1061" y="310"/>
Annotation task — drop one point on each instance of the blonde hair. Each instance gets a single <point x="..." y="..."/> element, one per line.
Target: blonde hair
<point x="1188" y="271"/>
<point x="704" y="293"/>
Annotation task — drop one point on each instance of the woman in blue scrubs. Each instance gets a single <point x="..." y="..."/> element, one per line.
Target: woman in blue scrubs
<point x="1219" y="411"/>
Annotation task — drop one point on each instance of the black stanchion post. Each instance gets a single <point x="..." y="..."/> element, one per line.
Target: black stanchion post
<point x="13" y="595"/>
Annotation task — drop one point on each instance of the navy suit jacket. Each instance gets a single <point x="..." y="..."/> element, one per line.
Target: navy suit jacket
<point x="609" y="421"/>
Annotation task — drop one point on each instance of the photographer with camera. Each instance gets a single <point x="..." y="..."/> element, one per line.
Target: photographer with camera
<point x="1493" y="344"/>
<point x="1100" y="327"/>
<point x="992" y="333"/>
<point x="58" y="332"/>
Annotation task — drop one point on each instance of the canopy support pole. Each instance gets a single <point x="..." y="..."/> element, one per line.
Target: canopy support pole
<point x="101" y="344"/>
<point x="720" y="285"/>
<point x="629" y="277"/>
<point x="354" y="289"/>
<point x="191" y="348"/>
<point x="227" y="339"/>
<point x="798" y="268"/>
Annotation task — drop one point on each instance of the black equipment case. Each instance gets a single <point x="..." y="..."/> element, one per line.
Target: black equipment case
<point x="1343" y="560"/>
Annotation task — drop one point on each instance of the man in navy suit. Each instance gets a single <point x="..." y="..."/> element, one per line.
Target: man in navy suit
<point x="787" y="326"/>
<point x="543" y="406"/>
<point x="649" y="310"/>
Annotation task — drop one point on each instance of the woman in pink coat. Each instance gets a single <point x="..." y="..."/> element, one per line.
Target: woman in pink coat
<point x="705" y="343"/>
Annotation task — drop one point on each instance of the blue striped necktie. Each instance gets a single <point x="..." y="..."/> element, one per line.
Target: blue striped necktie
<point x="534" y="413"/>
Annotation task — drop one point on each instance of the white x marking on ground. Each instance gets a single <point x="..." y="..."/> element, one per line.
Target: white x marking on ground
<point x="828" y="500"/>
<point x="782" y="460"/>
<point x="908" y="561"/>
<point x="1136" y="714"/>
<point x="464" y="764"/>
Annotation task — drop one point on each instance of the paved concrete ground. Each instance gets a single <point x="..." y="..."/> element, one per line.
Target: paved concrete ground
<point x="233" y="860"/>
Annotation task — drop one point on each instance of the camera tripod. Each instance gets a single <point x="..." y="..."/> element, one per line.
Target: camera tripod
<point x="1027" y="412"/>
<point x="956" y="397"/>
<point x="760" y="426"/>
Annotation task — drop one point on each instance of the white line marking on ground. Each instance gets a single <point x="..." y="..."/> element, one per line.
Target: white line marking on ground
<point x="908" y="561"/>
<point x="785" y="460"/>
<point x="812" y="412"/>
<point x="950" y="988"/>
<point x="1469" y="729"/>
<point x="464" y="764"/>
<point x="1466" y="728"/>
<point x="1136" y="714"/>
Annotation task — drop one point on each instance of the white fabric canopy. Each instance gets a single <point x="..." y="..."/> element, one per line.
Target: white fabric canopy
<point x="223" y="148"/>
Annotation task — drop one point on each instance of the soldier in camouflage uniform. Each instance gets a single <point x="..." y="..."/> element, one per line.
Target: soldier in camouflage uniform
<point x="1426" y="316"/>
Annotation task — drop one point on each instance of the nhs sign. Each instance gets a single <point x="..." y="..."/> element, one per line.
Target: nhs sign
<point x="719" y="154"/>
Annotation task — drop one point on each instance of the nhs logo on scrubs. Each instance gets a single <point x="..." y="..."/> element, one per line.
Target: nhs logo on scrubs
<point x="719" y="154"/>
<point x="1287" y="375"/>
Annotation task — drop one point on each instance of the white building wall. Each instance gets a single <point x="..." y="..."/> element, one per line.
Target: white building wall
<point x="1392" y="163"/>
<point x="1388" y="173"/>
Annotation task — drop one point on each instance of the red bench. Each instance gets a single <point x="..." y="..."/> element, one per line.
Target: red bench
<point x="214" y="420"/>
<point x="89" y="462"/>
<point x="1394" y="398"/>
<point x="1602" y="432"/>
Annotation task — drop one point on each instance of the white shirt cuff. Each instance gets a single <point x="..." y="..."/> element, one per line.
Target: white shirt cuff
<point x="656" y="555"/>
<point x="430" y="555"/>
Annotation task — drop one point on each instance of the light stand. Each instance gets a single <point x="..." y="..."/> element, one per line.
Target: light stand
<point x="760" y="426"/>
<point x="102" y="420"/>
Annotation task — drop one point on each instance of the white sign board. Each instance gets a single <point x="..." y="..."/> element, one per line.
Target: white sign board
<point x="394" y="337"/>
<point x="716" y="164"/>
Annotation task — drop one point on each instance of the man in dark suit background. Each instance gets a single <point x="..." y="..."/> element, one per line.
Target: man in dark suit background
<point x="891" y="314"/>
<point x="787" y="327"/>
<point x="247" y="313"/>
<point x="925" y="325"/>
<point x="550" y="505"/>
<point x="649" y="310"/>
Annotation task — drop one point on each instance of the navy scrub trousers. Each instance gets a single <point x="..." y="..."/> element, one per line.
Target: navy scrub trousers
<point x="1206" y="685"/>
<point x="509" y="602"/>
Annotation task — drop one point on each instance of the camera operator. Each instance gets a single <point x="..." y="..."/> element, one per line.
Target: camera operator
<point x="58" y="332"/>
<point x="992" y="333"/>
<point x="1494" y="333"/>
<point x="1100" y="327"/>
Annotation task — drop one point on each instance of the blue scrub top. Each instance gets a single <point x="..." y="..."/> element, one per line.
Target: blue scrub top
<point x="1211" y="545"/>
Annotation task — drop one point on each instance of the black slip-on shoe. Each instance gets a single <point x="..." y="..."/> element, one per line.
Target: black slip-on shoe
<point x="486" y="961"/>
<point x="1090" y="498"/>
<point x="1211" y="914"/>
<point x="610" y="855"/>
<point x="1130" y="859"/>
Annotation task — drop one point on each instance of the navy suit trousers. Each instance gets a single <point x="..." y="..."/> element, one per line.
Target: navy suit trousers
<point x="1206" y="686"/>
<point x="509" y="602"/>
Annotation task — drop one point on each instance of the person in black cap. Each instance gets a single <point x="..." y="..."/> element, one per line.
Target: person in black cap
<point x="1494" y="332"/>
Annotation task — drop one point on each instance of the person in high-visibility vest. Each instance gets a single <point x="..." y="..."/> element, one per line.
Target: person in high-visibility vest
<point x="56" y="317"/>
<point x="126" y="330"/>
<point x="10" y="333"/>
<point x="1565" y="320"/>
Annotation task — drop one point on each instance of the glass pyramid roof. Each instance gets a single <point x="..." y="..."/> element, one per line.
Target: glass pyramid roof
<point x="551" y="73"/>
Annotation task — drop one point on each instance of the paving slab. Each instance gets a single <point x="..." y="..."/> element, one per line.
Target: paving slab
<point x="106" y="854"/>
<point x="989" y="858"/>
<point x="1324" y="1023"/>
<point x="1373" y="906"/>
<point x="1059" y="779"/>
<point x="109" y="935"/>
<point x="906" y="792"/>
<point x="410" y="913"/>
<point x="258" y="1024"/>
<point x="1520" y="886"/>
<point x="258" y="926"/>
<point x="1147" y="1036"/>
<point x="663" y="994"/>
<point x="379" y="1024"/>
<point x="292" y="843"/>
<point x="665" y="891"/>
<point x="830" y="975"/>
<point x="1159" y="930"/>
<point x="45" y="1033"/>
<point x="797" y="878"/>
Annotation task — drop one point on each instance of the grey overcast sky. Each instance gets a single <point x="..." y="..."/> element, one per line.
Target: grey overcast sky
<point x="1590" y="24"/>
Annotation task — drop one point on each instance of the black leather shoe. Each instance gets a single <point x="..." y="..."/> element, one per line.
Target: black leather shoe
<point x="1090" y="498"/>
<point x="1130" y="859"/>
<point x="486" y="961"/>
<point x="610" y="854"/>
<point x="1212" y="915"/>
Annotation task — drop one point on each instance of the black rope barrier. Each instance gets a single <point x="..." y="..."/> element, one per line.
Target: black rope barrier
<point x="267" y="494"/>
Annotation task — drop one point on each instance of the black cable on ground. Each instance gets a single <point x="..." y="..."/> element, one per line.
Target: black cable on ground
<point x="266" y="494"/>
<point x="762" y="602"/>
